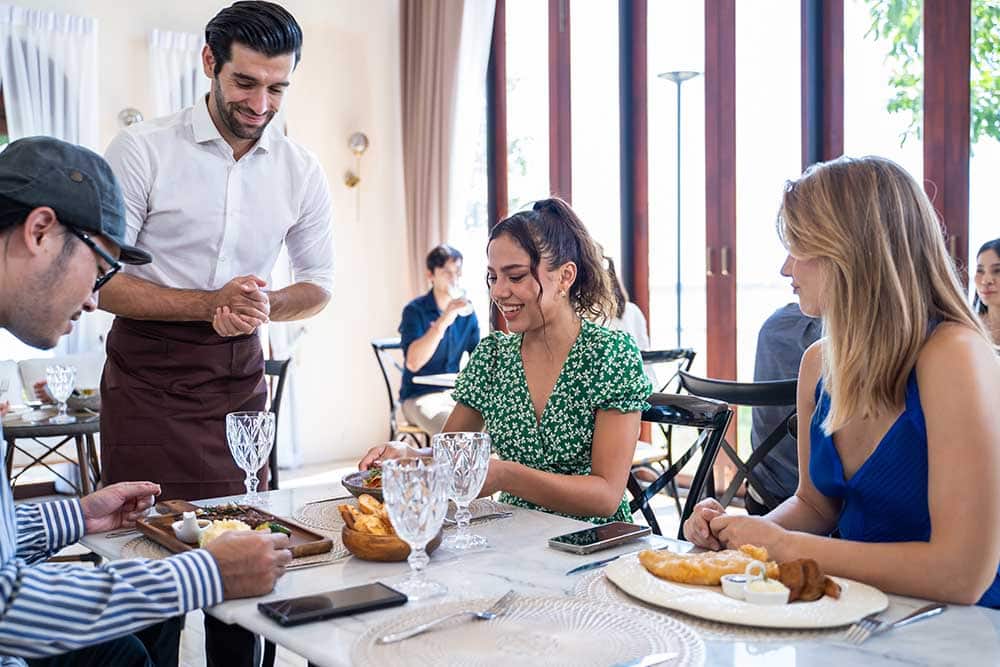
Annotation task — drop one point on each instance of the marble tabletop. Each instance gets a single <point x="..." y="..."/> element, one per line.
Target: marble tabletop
<point x="519" y="558"/>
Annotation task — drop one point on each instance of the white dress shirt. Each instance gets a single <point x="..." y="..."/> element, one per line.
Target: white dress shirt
<point x="206" y="217"/>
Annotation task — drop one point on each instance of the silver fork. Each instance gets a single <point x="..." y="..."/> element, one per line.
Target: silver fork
<point x="488" y="614"/>
<point x="869" y="625"/>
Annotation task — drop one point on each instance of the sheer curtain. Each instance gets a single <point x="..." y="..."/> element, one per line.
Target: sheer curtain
<point x="48" y="71"/>
<point x="175" y="70"/>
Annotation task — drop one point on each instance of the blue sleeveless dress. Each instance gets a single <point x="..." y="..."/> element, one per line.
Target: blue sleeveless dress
<point x="886" y="499"/>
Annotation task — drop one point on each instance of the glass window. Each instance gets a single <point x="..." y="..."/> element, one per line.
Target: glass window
<point x="596" y="120"/>
<point x="676" y="42"/>
<point x="984" y="196"/>
<point x="883" y="71"/>
<point x="527" y="102"/>
<point x="768" y="153"/>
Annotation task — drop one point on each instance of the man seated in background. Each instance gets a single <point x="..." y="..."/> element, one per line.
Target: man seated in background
<point x="781" y="342"/>
<point x="62" y="223"/>
<point x="435" y="330"/>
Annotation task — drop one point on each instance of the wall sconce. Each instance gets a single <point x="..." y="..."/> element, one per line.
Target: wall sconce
<point x="129" y="116"/>
<point x="358" y="143"/>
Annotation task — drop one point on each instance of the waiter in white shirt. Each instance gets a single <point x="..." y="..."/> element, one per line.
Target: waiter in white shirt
<point x="214" y="191"/>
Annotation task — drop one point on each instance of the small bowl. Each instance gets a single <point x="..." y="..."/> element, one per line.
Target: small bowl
<point x="178" y="527"/>
<point x="733" y="585"/>
<point x="382" y="548"/>
<point x="777" y="596"/>
<point x="355" y="485"/>
<point x="89" y="399"/>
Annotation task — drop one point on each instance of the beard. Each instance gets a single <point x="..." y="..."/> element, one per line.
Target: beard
<point x="227" y="112"/>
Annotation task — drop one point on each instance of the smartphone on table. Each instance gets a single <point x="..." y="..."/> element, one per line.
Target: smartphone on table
<point x="345" y="602"/>
<point x="599" y="537"/>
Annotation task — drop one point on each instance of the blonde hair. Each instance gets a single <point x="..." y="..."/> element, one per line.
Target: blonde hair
<point x="887" y="276"/>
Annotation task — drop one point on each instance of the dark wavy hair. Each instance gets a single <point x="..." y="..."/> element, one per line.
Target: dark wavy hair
<point x="262" y="26"/>
<point x="552" y="232"/>
<point x="441" y="255"/>
<point x="977" y="303"/>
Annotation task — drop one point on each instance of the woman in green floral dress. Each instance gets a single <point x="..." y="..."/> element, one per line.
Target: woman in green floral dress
<point x="561" y="397"/>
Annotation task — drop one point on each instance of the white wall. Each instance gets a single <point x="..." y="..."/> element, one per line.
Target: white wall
<point x="348" y="81"/>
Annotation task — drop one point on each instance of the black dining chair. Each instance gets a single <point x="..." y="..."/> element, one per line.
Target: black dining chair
<point x="711" y="418"/>
<point x="390" y="361"/>
<point x="775" y="393"/>
<point x="276" y="372"/>
<point x="657" y="457"/>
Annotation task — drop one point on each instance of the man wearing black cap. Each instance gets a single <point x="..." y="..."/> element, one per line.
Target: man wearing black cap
<point x="62" y="224"/>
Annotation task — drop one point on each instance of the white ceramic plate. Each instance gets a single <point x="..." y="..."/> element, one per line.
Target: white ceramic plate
<point x="856" y="601"/>
<point x="544" y="631"/>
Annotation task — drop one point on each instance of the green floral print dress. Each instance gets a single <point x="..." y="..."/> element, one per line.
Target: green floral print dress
<point x="603" y="371"/>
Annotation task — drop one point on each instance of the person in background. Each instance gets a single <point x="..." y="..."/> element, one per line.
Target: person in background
<point x="436" y="330"/>
<point x="62" y="222"/>
<point x="559" y="395"/>
<point x="898" y="431"/>
<point x="627" y="317"/>
<point x="781" y="342"/>
<point x="987" y="299"/>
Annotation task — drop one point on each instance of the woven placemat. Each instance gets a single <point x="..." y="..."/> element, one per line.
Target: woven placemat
<point x="143" y="547"/>
<point x="596" y="586"/>
<point x="325" y="517"/>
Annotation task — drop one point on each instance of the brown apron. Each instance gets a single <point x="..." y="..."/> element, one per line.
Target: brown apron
<point x="165" y="393"/>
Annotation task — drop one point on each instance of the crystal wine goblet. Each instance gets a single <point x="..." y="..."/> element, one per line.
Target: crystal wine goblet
<point x="468" y="454"/>
<point x="416" y="497"/>
<point x="250" y="436"/>
<point x="59" y="380"/>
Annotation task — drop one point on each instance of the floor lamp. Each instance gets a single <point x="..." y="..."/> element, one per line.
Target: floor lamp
<point x="679" y="77"/>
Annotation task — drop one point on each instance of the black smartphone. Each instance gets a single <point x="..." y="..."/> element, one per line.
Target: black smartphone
<point x="345" y="602"/>
<point x="599" y="537"/>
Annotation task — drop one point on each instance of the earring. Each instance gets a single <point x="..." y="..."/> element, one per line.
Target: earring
<point x="563" y="293"/>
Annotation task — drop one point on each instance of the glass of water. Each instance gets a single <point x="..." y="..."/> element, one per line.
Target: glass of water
<point x="250" y="436"/>
<point x="60" y="380"/>
<point x="457" y="292"/>
<point x="468" y="454"/>
<point x="415" y="491"/>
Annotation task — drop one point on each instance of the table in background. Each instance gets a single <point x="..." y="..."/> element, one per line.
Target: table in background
<point x="81" y="431"/>
<point x="446" y="380"/>
<point x="520" y="559"/>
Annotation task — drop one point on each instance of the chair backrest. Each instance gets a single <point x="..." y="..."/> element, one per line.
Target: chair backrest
<point x="773" y="393"/>
<point x="276" y="371"/>
<point x="89" y="367"/>
<point x="391" y="366"/>
<point x="684" y="356"/>
<point x="711" y="418"/>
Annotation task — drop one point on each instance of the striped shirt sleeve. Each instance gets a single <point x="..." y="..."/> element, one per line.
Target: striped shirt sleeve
<point x="45" y="528"/>
<point x="52" y="608"/>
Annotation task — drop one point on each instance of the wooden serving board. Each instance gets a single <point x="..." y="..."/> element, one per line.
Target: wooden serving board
<point x="304" y="542"/>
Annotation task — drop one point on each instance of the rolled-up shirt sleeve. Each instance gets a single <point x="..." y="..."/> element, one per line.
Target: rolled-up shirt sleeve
<point x="310" y="239"/>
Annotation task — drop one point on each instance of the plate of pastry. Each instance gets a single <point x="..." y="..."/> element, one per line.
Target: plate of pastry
<point x="692" y="583"/>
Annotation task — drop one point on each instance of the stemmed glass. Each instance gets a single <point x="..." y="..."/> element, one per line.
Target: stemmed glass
<point x="468" y="454"/>
<point x="59" y="381"/>
<point x="250" y="436"/>
<point x="416" y="497"/>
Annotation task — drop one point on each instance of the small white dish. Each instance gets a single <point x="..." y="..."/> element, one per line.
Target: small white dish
<point x="761" y="590"/>
<point x="188" y="529"/>
<point x="733" y="585"/>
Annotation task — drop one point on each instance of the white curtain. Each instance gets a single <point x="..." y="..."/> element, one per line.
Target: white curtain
<point x="48" y="69"/>
<point x="175" y="70"/>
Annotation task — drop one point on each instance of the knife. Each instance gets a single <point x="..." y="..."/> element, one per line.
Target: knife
<point x="448" y="521"/>
<point x="647" y="661"/>
<point x="601" y="563"/>
<point x="329" y="500"/>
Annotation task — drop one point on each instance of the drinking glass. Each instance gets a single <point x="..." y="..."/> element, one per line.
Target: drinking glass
<point x="250" y="436"/>
<point x="456" y="292"/>
<point x="60" y="380"/>
<point x="416" y="497"/>
<point x="468" y="454"/>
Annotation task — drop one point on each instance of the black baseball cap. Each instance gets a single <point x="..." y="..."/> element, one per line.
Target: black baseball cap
<point x="75" y="182"/>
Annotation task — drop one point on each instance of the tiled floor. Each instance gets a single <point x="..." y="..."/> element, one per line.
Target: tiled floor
<point x="193" y="638"/>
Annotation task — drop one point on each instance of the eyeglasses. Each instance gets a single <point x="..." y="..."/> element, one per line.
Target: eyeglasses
<point x="114" y="265"/>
